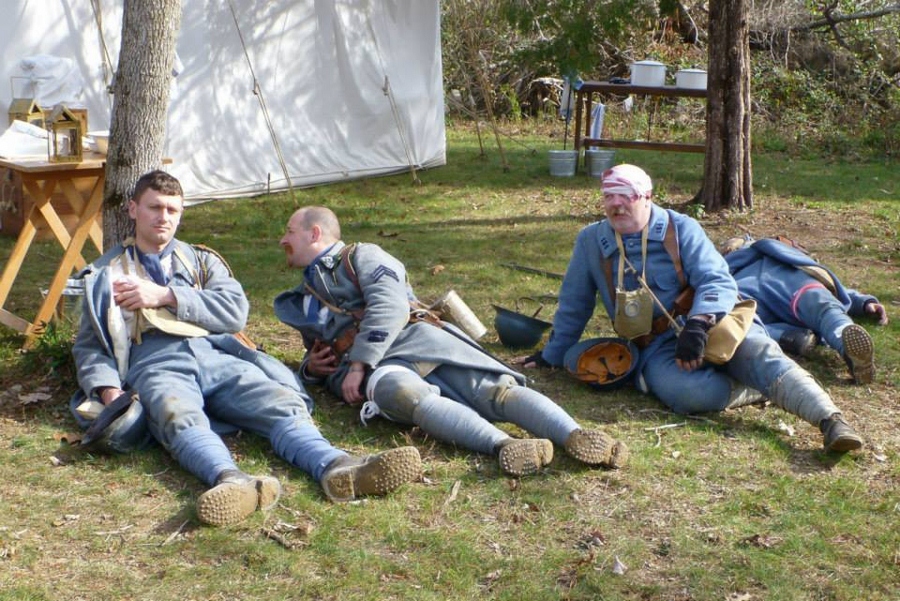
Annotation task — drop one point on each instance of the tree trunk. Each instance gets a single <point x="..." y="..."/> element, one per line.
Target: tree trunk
<point x="728" y="181"/>
<point x="140" y="104"/>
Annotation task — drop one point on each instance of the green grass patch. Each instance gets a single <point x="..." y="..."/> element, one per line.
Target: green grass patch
<point x="731" y="506"/>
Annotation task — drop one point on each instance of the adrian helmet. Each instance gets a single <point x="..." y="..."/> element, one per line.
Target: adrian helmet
<point x="604" y="363"/>
<point x="517" y="330"/>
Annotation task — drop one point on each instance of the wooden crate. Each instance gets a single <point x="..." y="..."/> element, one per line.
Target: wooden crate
<point x="15" y="204"/>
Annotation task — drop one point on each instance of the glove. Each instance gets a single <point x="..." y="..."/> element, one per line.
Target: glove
<point x="692" y="340"/>
<point x="537" y="359"/>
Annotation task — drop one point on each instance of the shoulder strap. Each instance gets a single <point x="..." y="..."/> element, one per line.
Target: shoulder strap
<point x="202" y="276"/>
<point x="204" y="272"/>
<point x="347" y="262"/>
<point x="670" y="243"/>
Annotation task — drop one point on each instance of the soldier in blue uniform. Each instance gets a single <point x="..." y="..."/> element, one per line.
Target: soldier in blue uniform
<point x="666" y="254"/>
<point x="369" y="344"/>
<point x="801" y="301"/>
<point x="160" y="320"/>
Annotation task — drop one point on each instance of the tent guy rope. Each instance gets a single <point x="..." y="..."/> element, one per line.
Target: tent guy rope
<point x="257" y="91"/>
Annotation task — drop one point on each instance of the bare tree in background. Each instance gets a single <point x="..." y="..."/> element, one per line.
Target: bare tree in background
<point x="140" y="104"/>
<point x="728" y="180"/>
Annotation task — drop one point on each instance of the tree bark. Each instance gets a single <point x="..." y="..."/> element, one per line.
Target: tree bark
<point x="728" y="181"/>
<point x="140" y="103"/>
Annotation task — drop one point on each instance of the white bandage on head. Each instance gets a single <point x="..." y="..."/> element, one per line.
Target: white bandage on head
<point x="629" y="180"/>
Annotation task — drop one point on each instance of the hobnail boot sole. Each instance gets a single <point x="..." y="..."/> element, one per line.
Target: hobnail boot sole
<point x="597" y="448"/>
<point x="844" y="444"/>
<point x="378" y="475"/>
<point x="840" y="437"/>
<point x="228" y="503"/>
<point x="525" y="456"/>
<point x="268" y="490"/>
<point x="859" y="353"/>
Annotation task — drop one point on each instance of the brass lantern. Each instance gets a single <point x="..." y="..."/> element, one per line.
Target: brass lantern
<point x="24" y="107"/>
<point x="66" y="132"/>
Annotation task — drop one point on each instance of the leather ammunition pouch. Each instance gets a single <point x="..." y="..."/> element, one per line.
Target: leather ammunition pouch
<point x="344" y="342"/>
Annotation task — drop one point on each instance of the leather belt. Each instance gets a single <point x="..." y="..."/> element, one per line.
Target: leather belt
<point x="660" y="325"/>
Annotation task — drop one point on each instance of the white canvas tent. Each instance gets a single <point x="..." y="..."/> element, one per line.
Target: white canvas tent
<point x="321" y="67"/>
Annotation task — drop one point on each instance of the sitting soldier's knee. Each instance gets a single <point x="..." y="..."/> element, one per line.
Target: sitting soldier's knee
<point x="399" y="395"/>
<point x="501" y="391"/>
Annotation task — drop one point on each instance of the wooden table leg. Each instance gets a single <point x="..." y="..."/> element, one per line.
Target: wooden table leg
<point x="13" y="265"/>
<point x="70" y="259"/>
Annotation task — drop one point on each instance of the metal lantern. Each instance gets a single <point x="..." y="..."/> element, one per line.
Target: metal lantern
<point x="65" y="135"/>
<point x="24" y="107"/>
<point x="27" y="110"/>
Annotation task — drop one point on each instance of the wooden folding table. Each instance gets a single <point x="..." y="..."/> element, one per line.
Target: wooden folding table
<point x="41" y="179"/>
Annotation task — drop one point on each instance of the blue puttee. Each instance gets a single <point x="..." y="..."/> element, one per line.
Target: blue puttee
<point x="300" y="443"/>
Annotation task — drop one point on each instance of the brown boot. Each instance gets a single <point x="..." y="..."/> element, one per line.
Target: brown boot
<point x="524" y="456"/>
<point x="349" y="477"/>
<point x="839" y="436"/>
<point x="235" y="496"/>
<point x="859" y="353"/>
<point x="596" y="447"/>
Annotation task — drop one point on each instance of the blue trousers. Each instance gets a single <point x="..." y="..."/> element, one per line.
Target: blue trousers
<point x="459" y="405"/>
<point x="184" y="381"/>
<point x="758" y="363"/>
<point x="819" y="311"/>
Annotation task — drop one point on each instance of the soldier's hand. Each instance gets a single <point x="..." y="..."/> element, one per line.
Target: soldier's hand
<point x="531" y="361"/>
<point x="321" y="360"/>
<point x="691" y="344"/>
<point x="133" y="294"/>
<point x="351" y="387"/>
<point x="878" y="311"/>
<point x="108" y="395"/>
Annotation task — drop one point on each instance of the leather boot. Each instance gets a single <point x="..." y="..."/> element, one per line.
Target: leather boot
<point x="235" y="496"/>
<point x="349" y="477"/>
<point x="799" y="342"/>
<point x="524" y="456"/>
<point x="596" y="447"/>
<point x="839" y="436"/>
<point x="859" y="353"/>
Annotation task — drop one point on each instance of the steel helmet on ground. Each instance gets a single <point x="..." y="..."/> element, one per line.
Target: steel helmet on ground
<point x="517" y="330"/>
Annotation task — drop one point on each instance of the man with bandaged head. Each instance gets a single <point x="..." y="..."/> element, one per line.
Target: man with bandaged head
<point x="643" y="258"/>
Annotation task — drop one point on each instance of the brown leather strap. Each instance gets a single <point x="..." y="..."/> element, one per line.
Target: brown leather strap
<point x="683" y="304"/>
<point x="344" y="342"/>
<point x="670" y="243"/>
<point x="347" y="262"/>
<point x="660" y="325"/>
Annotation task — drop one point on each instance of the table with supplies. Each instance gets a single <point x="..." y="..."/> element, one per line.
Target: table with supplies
<point x="52" y="188"/>
<point x="584" y="98"/>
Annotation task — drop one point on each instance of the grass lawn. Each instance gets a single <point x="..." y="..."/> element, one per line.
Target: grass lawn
<point x="737" y="506"/>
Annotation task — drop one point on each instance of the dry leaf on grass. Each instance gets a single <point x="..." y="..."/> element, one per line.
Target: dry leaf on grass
<point x="34" y="397"/>
<point x="762" y="541"/>
<point x="787" y="429"/>
<point x="490" y="578"/>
